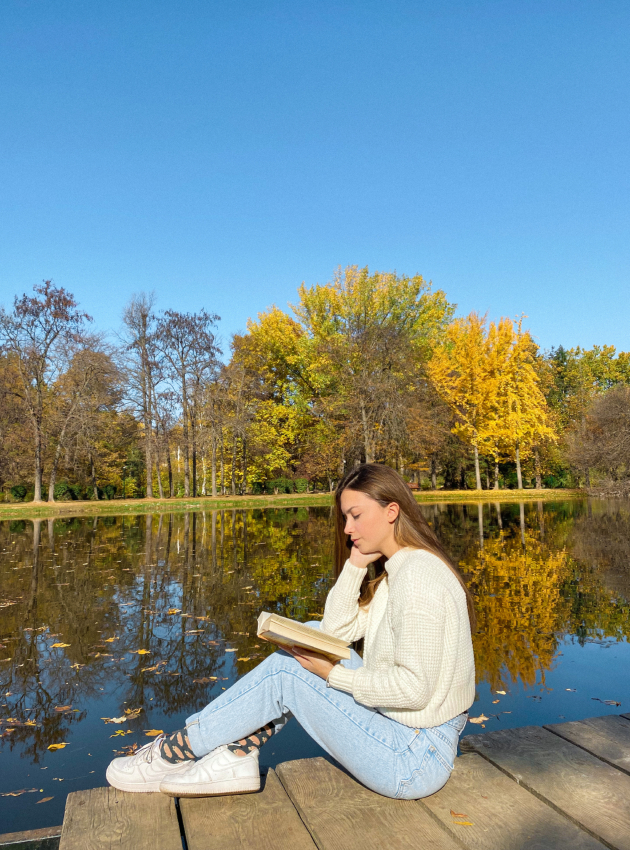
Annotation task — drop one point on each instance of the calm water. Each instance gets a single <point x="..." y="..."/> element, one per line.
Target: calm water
<point x="149" y="618"/>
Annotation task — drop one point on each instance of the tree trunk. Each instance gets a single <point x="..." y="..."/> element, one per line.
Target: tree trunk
<point x="587" y="481"/>
<point x="496" y="475"/>
<point x="37" y="495"/>
<point x="519" y="476"/>
<point x="205" y="475"/>
<point x="499" y="517"/>
<point x="222" y="464"/>
<point x="537" y="469"/>
<point x="169" y="466"/>
<point x="477" y="472"/>
<point x="367" y="442"/>
<point x="53" y="470"/>
<point x="193" y="431"/>
<point x="244" y="484"/>
<point x="234" y="465"/>
<point x="214" y="465"/>
<point x="186" y="443"/>
<point x="93" y="476"/>
<point x="433" y="473"/>
<point x="158" y="467"/>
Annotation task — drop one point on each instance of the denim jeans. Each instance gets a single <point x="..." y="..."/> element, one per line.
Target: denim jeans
<point x="386" y="756"/>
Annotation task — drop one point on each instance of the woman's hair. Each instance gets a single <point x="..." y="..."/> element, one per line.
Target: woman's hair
<point x="385" y="485"/>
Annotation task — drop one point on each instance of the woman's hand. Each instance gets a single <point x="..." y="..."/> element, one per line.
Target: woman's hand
<point x="312" y="661"/>
<point x="357" y="559"/>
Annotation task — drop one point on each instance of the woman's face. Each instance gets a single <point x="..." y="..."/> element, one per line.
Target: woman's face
<point x="369" y="524"/>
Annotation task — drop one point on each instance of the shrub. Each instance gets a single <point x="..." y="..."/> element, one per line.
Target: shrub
<point x="18" y="491"/>
<point x="301" y="485"/>
<point x="109" y="491"/>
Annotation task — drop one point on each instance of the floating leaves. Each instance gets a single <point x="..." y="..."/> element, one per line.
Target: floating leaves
<point x="152" y="733"/>
<point x="122" y="719"/>
<point x="205" y="680"/>
<point x="152" y="669"/>
<point x="44" y="800"/>
<point x="481" y="719"/>
<point x="63" y="708"/>
<point x="231" y="650"/>
<point x="59" y="646"/>
<point x="20" y="792"/>
<point x="140" y="651"/>
<point x="121" y="732"/>
<point x="57" y="746"/>
<point x="110" y="640"/>
<point x="606" y="701"/>
<point x="174" y="611"/>
<point x="132" y="713"/>
<point x="194" y="631"/>
<point x="500" y="692"/>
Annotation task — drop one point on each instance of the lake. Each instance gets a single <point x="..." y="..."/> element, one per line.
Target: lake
<point x="112" y="628"/>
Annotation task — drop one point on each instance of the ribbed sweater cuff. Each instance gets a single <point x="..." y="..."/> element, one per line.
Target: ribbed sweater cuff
<point x="341" y="678"/>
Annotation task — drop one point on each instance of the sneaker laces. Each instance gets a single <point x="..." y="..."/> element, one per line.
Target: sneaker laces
<point x="148" y="752"/>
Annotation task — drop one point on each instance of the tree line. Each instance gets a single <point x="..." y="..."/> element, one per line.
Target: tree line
<point x="367" y="367"/>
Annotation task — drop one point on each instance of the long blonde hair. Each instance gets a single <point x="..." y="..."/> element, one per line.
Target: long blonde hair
<point x="385" y="485"/>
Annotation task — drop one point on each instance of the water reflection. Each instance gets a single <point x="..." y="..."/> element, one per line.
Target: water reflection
<point x="146" y="618"/>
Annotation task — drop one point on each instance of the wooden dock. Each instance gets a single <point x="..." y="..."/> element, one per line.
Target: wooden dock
<point x="562" y="786"/>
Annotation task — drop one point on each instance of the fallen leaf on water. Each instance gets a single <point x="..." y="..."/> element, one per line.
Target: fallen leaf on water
<point x="63" y="707"/>
<point x="140" y="651"/>
<point x="174" y="611"/>
<point x="152" y="669"/>
<point x="133" y="712"/>
<point x="55" y="645"/>
<point x="194" y="631"/>
<point x="44" y="800"/>
<point x="214" y="643"/>
<point x="243" y="659"/>
<point x="121" y="732"/>
<point x="19" y="793"/>
<point x="110" y="640"/>
<point x="500" y="692"/>
<point x="151" y="733"/>
<point x="479" y="719"/>
<point x="122" y="719"/>
<point x="606" y="701"/>
<point x="495" y="701"/>
<point x="205" y="680"/>
<point x="56" y="746"/>
<point x="231" y="650"/>
<point x="570" y="689"/>
<point x="458" y="814"/>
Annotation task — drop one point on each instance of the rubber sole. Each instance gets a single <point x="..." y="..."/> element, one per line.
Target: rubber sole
<point x="212" y="789"/>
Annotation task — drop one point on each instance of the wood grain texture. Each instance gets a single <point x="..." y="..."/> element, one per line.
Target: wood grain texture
<point x="343" y="815"/>
<point x="105" y="818"/>
<point x="265" y="821"/>
<point x="504" y="816"/>
<point x="606" y="737"/>
<point x="592" y="793"/>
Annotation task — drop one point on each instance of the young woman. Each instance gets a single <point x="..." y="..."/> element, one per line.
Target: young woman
<point x="393" y="718"/>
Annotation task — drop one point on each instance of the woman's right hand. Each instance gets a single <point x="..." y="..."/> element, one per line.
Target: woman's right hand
<point x="357" y="559"/>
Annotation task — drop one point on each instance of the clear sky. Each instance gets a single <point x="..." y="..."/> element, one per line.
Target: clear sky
<point x="222" y="153"/>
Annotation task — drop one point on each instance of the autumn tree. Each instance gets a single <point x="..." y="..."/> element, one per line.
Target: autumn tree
<point x="37" y="333"/>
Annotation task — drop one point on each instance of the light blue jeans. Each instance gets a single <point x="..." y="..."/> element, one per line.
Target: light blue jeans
<point x="386" y="756"/>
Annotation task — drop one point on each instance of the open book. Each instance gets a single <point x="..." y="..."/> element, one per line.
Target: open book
<point x="285" y="632"/>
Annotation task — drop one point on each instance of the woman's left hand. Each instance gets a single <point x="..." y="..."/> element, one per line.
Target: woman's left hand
<point x="312" y="661"/>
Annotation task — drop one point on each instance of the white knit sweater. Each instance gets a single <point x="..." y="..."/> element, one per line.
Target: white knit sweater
<point x="418" y="665"/>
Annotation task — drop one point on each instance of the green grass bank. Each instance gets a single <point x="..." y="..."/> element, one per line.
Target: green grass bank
<point x="45" y="510"/>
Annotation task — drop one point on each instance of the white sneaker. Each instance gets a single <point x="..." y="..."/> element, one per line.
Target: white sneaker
<point x="220" y="772"/>
<point x="144" y="770"/>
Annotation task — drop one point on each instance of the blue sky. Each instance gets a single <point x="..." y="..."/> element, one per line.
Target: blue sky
<point x="222" y="153"/>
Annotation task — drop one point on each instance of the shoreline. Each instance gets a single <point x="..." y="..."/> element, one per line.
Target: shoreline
<point x="46" y="510"/>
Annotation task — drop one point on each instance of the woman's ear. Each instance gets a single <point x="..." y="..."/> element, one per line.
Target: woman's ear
<point x="392" y="511"/>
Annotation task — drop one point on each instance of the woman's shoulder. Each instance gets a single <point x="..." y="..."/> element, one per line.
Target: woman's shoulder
<point x="421" y="567"/>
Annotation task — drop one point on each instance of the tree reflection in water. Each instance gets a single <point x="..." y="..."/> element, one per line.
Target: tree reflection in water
<point x="188" y="587"/>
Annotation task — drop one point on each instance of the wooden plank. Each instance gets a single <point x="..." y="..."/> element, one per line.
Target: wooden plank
<point x="265" y="821"/>
<point x="627" y="716"/>
<point x="590" y="792"/>
<point x="32" y="839"/>
<point x="341" y="814"/>
<point x="104" y="818"/>
<point x="606" y="737"/>
<point x="501" y="814"/>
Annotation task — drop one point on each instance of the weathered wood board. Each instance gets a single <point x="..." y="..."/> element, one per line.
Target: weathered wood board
<point x="486" y="810"/>
<point x="266" y="821"/>
<point x="591" y="792"/>
<point x="606" y="737"/>
<point x="32" y="839"/>
<point x="105" y="818"/>
<point x="341" y="814"/>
